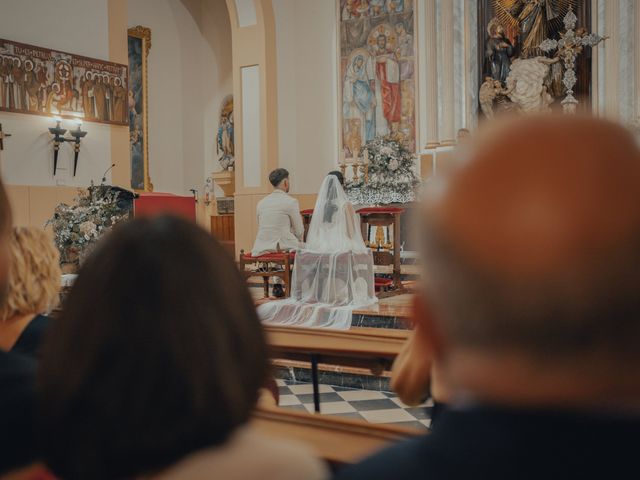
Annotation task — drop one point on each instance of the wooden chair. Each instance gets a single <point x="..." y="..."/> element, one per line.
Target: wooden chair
<point x="306" y="221"/>
<point x="276" y="264"/>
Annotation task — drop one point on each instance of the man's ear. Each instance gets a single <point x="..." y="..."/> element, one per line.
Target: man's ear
<point x="427" y="330"/>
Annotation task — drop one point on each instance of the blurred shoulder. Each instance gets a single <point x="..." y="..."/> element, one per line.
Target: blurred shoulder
<point x="249" y="455"/>
<point x="406" y="459"/>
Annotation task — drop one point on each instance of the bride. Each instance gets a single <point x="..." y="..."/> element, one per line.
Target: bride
<point x="333" y="274"/>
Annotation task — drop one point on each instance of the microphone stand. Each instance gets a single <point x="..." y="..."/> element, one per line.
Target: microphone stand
<point x="104" y="175"/>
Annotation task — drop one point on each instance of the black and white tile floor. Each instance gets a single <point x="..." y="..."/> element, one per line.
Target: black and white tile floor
<point x="372" y="406"/>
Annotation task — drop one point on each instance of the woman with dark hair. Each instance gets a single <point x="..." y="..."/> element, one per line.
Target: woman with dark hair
<point x="154" y="366"/>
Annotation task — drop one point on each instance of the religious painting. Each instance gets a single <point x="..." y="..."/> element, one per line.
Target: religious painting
<point x="377" y="73"/>
<point x="521" y="68"/>
<point x="41" y="81"/>
<point x="139" y="43"/>
<point x="224" y="136"/>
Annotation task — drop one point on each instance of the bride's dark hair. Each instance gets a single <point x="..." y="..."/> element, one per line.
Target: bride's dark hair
<point x="339" y="175"/>
<point x="331" y="206"/>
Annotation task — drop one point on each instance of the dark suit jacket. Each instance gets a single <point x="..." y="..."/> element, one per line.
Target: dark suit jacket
<point x="30" y="341"/>
<point x="17" y="441"/>
<point x="494" y="443"/>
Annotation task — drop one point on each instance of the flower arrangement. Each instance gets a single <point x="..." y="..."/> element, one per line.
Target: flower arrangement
<point x="392" y="176"/>
<point x="77" y="227"/>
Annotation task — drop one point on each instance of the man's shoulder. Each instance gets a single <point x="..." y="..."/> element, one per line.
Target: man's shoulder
<point x="278" y="197"/>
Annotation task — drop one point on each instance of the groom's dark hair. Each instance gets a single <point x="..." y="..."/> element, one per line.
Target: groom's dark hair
<point x="339" y="175"/>
<point x="278" y="175"/>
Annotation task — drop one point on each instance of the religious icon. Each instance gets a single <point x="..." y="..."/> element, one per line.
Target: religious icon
<point x="224" y="137"/>
<point x="377" y="57"/>
<point x="523" y="69"/>
<point x="132" y="103"/>
<point x="41" y="81"/>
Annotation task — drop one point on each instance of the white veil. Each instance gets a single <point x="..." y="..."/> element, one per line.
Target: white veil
<point x="333" y="274"/>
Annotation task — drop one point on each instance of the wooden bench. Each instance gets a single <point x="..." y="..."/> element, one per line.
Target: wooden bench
<point x="337" y="440"/>
<point x="372" y="348"/>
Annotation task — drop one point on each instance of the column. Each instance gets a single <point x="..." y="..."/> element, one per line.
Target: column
<point x="447" y="133"/>
<point x="636" y="27"/>
<point x="118" y="52"/>
<point x="611" y="55"/>
<point x="431" y="73"/>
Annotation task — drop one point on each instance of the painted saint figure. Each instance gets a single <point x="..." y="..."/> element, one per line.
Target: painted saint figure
<point x="119" y="100"/>
<point x="387" y="87"/>
<point x="100" y="98"/>
<point x="87" y="96"/>
<point x="404" y="51"/>
<point x="359" y="100"/>
<point x="32" y="86"/>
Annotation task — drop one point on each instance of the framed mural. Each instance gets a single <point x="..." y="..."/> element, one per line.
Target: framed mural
<point x="139" y="43"/>
<point x="40" y="81"/>
<point x="377" y="73"/>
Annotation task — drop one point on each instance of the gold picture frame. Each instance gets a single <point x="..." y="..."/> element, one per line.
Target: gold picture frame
<point x="139" y="44"/>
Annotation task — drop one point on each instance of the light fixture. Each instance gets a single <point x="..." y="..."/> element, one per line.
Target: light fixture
<point x="58" y="139"/>
<point x="77" y="134"/>
<point x="2" y="137"/>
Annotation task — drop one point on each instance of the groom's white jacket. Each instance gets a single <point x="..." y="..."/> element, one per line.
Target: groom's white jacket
<point x="279" y="224"/>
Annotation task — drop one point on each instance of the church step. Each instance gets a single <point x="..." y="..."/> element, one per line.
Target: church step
<point x="335" y="376"/>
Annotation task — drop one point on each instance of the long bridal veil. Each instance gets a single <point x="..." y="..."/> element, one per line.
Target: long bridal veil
<point x="333" y="274"/>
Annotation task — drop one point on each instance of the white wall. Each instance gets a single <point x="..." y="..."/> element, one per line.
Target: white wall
<point x="70" y="26"/>
<point x="307" y="90"/>
<point x="189" y="75"/>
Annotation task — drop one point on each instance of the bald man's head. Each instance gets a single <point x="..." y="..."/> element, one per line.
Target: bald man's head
<point x="534" y="244"/>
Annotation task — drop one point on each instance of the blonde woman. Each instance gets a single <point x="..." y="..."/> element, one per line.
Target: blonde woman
<point x="34" y="282"/>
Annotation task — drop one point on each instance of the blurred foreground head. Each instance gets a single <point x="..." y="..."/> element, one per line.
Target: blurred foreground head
<point x="532" y="253"/>
<point x="158" y="353"/>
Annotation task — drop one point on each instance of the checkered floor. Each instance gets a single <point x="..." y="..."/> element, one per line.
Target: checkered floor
<point x="372" y="406"/>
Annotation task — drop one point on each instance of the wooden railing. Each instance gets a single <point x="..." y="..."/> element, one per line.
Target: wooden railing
<point x="337" y="440"/>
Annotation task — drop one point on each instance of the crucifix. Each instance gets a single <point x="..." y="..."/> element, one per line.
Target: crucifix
<point x="570" y="45"/>
<point x="2" y="137"/>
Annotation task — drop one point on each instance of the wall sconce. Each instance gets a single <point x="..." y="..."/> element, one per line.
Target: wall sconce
<point x="58" y="139"/>
<point x="2" y="137"/>
<point x="208" y="189"/>
<point x="77" y="134"/>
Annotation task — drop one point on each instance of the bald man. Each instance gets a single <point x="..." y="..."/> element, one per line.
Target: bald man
<point x="531" y="309"/>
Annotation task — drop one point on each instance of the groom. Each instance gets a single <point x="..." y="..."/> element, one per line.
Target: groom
<point x="279" y="221"/>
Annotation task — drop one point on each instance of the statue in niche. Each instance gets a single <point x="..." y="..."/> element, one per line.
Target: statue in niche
<point x="528" y="22"/>
<point x="224" y="137"/>
<point x="498" y="52"/>
<point x="526" y="50"/>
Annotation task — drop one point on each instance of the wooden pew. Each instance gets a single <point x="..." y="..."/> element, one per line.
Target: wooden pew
<point x="337" y="440"/>
<point x="372" y="348"/>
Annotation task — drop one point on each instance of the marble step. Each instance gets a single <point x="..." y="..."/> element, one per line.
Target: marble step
<point x="335" y="376"/>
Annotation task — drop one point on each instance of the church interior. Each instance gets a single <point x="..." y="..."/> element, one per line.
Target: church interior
<point x="319" y="238"/>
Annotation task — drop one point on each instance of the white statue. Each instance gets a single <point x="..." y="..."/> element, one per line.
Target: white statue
<point x="525" y="84"/>
<point x="489" y="90"/>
